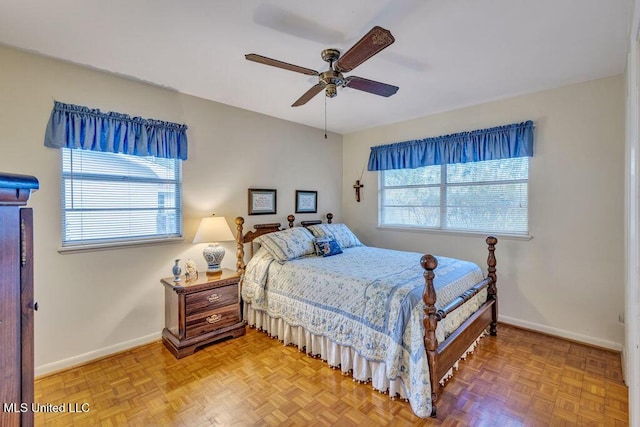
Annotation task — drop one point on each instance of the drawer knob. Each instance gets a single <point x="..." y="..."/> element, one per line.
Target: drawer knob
<point x="214" y="318"/>
<point x="214" y="297"/>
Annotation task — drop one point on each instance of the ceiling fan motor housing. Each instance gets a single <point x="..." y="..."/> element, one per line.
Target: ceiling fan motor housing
<point x="332" y="79"/>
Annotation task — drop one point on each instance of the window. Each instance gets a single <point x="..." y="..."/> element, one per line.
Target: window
<point x="487" y="196"/>
<point x="110" y="198"/>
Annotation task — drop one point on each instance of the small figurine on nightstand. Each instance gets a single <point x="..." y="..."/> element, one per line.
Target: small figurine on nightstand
<point x="191" y="271"/>
<point x="176" y="271"/>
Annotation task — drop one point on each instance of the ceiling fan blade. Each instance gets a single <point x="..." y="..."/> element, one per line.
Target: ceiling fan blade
<point x="313" y="91"/>
<point x="373" y="42"/>
<point x="370" y="86"/>
<point x="275" y="63"/>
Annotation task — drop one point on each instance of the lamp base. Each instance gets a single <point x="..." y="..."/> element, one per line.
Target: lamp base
<point x="213" y="254"/>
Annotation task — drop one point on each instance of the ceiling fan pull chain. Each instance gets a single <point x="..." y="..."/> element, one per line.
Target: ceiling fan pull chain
<point x="325" y="117"/>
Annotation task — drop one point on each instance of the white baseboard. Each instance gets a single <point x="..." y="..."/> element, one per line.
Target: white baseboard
<point x="95" y="354"/>
<point x="561" y="333"/>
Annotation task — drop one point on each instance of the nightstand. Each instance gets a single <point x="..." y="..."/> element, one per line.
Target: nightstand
<point x="201" y="311"/>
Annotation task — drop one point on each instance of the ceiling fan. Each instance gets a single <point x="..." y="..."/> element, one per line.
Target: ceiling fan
<point x="373" y="42"/>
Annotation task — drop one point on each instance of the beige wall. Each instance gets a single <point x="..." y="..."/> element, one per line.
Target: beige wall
<point x="96" y="303"/>
<point x="568" y="279"/>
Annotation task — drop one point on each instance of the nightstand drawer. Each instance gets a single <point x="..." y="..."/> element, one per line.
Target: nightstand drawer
<point x="201" y="323"/>
<point x="202" y="301"/>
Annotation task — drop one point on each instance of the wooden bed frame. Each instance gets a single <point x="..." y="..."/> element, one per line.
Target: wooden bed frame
<point x="441" y="356"/>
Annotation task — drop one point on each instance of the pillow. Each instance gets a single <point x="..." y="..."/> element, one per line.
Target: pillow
<point x="340" y="232"/>
<point x="326" y="246"/>
<point x="288" y="244"/>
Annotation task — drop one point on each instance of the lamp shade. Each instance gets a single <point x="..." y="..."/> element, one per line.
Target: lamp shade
<point x="212" y="230"/>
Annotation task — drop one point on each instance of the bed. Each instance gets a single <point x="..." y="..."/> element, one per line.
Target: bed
<point x="400" y="320"/>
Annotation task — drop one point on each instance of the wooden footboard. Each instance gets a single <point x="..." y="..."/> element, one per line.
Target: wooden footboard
<point x="442" y="357"/>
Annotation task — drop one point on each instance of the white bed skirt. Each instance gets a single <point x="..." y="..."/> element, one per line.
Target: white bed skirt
<point x="337" y="356"/>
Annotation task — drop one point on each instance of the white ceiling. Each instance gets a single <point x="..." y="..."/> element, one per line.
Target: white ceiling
<point x="447" y="54"/>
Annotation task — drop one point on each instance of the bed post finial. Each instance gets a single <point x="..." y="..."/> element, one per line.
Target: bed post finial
<point x="430" y="321"/>
<point x="329" y="218"/>
<point x="492" y="291"/>
<point x="291" y="219"/>
<point x="239" y="245"/>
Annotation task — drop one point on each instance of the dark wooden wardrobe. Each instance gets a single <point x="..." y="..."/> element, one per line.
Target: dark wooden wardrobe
<point x="16" y="300"/>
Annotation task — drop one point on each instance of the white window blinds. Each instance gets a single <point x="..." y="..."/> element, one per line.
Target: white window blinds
<point x="112" y="198"/>
<point x="487" y="196"/>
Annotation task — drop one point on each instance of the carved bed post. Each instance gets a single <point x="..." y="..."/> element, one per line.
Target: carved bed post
<point x="329" y="218"/>
<point x="240" y="246"/>
<point x="430" y="321"/>
<point x="492" y="291"/>
<point x="291" y="219"/>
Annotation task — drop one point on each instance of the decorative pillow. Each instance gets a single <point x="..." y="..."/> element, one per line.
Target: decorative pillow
<point x="288" y="244"/>
<point x="340" y="232"/>
<point x="326" y="246"/>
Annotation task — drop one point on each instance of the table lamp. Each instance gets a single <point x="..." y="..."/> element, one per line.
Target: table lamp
<point x="212" y="230"/>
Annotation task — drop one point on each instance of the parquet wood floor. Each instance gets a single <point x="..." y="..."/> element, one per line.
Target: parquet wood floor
<point x="517" y="378"/>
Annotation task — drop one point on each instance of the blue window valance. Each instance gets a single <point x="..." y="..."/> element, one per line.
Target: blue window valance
<point x="75" y="126"/>
<point x="502" y="142"/>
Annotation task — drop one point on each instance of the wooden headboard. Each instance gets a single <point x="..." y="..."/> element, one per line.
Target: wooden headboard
<point x="259" y="230"/>
<point x="315" y="221"/>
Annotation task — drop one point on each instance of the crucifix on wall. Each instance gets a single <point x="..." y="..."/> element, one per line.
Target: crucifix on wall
<point x="357" y="187"/>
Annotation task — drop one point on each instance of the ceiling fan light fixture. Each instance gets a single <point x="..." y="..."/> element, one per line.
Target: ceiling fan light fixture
<point x="331" y="90"/>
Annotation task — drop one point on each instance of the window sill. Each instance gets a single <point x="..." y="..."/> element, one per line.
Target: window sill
<point x="117" y="245"/>
<point x="455" y="232"/>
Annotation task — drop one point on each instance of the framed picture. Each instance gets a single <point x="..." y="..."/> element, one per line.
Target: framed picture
<point x="262" y="202"/>
<point x="306" y="201"/>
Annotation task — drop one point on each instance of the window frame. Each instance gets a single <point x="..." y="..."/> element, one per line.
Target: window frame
<point x="443" y="185"/>
<point x="71" y="246"/>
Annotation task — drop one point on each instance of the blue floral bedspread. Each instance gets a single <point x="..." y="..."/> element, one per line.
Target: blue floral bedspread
<point x="367" y="298"/>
